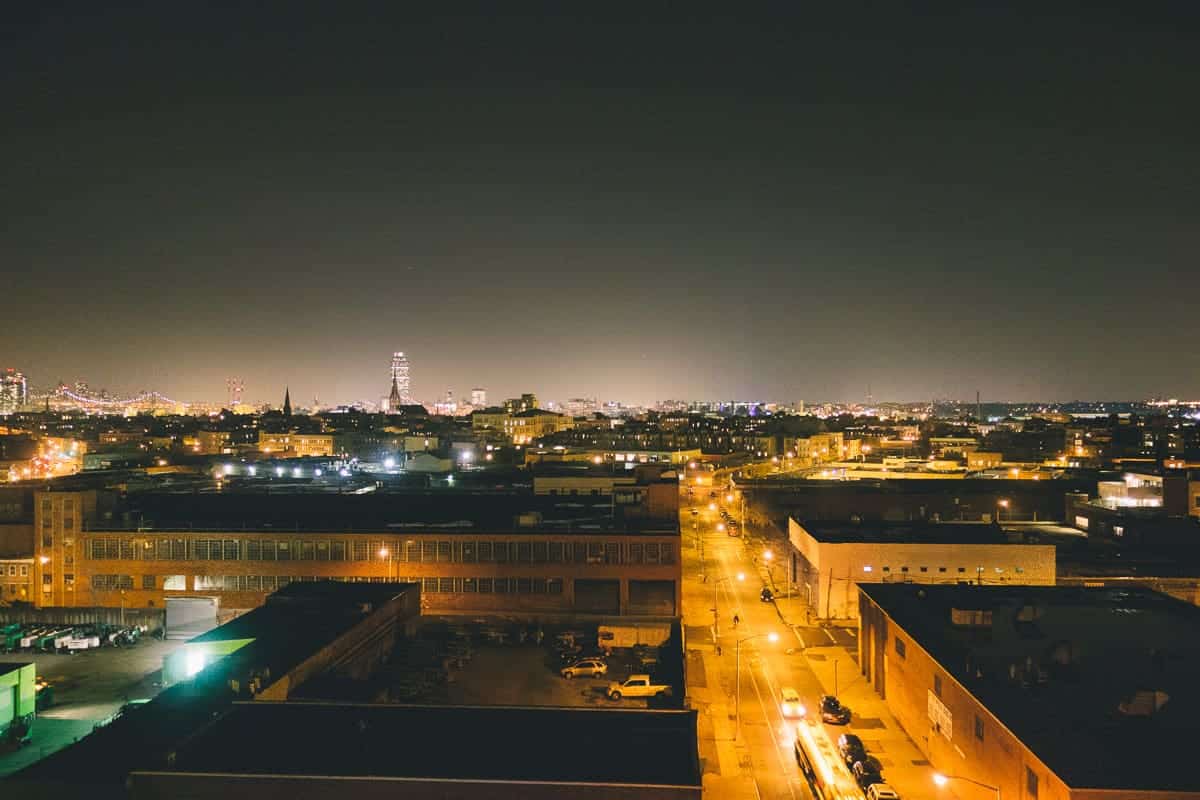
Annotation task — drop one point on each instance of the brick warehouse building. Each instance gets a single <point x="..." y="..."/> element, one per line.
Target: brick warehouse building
<point x="472" y="552"/>
<point x="1046" y="692"/>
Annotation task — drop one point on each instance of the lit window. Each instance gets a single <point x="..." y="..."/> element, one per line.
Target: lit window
<point x="867" y="569"/>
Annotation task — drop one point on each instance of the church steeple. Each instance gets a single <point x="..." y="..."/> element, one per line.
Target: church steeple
<point x="287" y="401"/>
<point x="394" y="400"/>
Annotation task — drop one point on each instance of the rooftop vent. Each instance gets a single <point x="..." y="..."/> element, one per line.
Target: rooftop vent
<point x="1143" y="703"/>
<point x="1030" y="613"/>
<point x="970" y="618"/>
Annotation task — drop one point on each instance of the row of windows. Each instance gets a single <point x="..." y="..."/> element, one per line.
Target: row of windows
<point x="269" y="583"/>
<point x="112" y="582"/>
<point x="12" y="570"/>
<point x="961" y="570"/>
<point x="415" y="552"/>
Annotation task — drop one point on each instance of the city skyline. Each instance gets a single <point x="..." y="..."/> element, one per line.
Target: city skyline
<point x="465" y="395"/>
<point x="815" y="212"/>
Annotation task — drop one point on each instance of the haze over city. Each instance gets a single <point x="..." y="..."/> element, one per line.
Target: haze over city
<point x="511" y="401"/>
<point x="636" y="205"/>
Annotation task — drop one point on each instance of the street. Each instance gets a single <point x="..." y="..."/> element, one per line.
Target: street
<point x="746" y="744"/>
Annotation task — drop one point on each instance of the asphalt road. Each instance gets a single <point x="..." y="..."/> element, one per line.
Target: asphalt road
<point x="765" y="737"/>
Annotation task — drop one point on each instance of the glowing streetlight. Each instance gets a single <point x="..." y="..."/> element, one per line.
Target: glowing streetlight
<point x="768" y="555"/>
<point x="712" y="506"/>
<point x="942" y="780"/>
<point x="1002" y="503"/>
<point x="383" y="554"/>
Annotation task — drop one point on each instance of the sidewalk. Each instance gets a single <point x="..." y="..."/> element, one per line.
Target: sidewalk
<point x="836" y="666"/>
<point x="725" y="762"/>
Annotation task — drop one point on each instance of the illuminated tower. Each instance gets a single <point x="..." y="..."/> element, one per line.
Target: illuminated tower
<point x="14" y="391"/>
<point x="400" y="382"/>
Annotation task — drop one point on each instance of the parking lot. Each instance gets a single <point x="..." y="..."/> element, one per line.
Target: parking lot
<point x="89" y="687"/>
<point x="492" y="664"/>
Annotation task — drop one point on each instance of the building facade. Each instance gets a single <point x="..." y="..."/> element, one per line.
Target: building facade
<point x="829" y="560"/>
<point x="296" y="444"/>
<point x="16" y="580"/>
<point x="534" y="568"/>
<point x="1038" y="693"/>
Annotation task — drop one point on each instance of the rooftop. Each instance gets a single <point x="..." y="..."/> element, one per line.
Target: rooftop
<point x="296" y="623"/>
<point x="459" y="743"/>
<point x="842" y="532"/>
<point x="1053" y="665"/>
<point x="504" y="511"/>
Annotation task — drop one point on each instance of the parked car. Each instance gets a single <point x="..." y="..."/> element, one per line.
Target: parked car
<point x="867" y="772"/>
<point x="881" y="791"/>
<point x="833" y="712"/>
<point x="589" y="667"/>
<point x="766" y="595"/>
<point x="636" y="686"/>
<point x="851" y="748"/>
<point x="790" y="704"/>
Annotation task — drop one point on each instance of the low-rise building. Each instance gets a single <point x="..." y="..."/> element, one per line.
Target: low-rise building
<point x="16" y="580"/>
<point x="501" y="552"/>
<point x="299" y="445"/>
<point x="828" y="559"/>
<point x="1038" y="692"/>
<point x="984" y="459"/>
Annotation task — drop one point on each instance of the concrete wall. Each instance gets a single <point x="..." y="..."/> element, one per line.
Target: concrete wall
<point x="17" y="694"/>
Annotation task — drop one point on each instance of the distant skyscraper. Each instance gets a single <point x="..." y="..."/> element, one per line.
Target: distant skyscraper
<point x="479" y="398"/>
<point x="400" y="381"/>
<point x="14" y="392"/>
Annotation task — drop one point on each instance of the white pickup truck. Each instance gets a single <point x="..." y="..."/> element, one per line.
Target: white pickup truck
<point x="637" y="686"/>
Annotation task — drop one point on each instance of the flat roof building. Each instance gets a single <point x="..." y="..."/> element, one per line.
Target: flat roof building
<point x="503" y="550"/>
<point x="1049" y="693"/>
<point x="828" y="559"/>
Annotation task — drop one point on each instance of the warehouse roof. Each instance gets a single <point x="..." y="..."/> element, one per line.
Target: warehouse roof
<point x="1072" y="672"/>
<point x="448" y="511"/>
<point x="461" y="743"/>
<point x="842" y="532"/>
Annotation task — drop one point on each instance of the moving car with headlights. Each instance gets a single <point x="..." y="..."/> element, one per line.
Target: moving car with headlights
<point x="789" y="703"/>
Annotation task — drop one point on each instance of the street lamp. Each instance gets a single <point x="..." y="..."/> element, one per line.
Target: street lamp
<point x="1002" y="503"/>
<point x="737" y="700"/>
<point x="384" y="553"/>
<point x="741" y="576"/>
<point x="942" y="780"/>
<point x="769" y="556"/>
<point x="39" y="580"/>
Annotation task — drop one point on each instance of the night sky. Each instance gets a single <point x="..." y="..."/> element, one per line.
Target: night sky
<point x="794" y="202"/>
